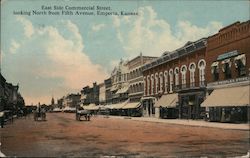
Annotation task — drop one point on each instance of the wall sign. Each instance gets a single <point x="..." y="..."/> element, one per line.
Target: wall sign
<point x="227" y="55"/>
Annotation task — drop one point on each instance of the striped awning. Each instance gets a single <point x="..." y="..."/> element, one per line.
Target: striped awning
<point x="132" y="105"/>
<point x="168" y="101"/>
<point x="223" y="97"/>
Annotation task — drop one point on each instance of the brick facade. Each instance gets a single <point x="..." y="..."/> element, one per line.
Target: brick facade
<point x="231" y="38"/>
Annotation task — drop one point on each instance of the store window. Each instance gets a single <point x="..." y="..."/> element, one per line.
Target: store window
<point x="240" y="65"/>
<point x="215" y="70"/>
<point x="183" y="76"/>
<point x="226" y="68"/>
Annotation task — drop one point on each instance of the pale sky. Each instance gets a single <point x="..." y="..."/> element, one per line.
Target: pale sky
<point x="56" y="55"/>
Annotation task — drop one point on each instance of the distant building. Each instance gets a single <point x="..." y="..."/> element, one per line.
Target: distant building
<point x="102" y="94"/>
<point x="71" y="100"/>
<point x="135" y="77"/>
<point x="90" y="95"/>
<point x="108" y="93"/>
<point x="119" y="80"/>
<point x="60" y="103"/>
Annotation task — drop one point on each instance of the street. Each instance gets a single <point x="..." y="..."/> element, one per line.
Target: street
<point x="62" y="136"/>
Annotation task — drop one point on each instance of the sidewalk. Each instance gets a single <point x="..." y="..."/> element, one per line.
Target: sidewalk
<point x="199" y="123"/>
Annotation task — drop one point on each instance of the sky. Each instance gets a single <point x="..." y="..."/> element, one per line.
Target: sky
<point x="54" y="55"/>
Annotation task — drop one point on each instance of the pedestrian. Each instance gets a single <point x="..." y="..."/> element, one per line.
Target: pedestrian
<point x="2" y="118"/>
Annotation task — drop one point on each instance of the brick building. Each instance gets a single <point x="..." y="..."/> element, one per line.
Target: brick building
<point x="135" y="77"/>
<point x="227" y="73"/>
<point x="174" y="84"/>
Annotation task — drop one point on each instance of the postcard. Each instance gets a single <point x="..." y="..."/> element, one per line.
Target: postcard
<point x="124" y="78"/>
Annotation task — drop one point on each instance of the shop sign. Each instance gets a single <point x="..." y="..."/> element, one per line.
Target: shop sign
<point x="227" y="55"/>
<point x="242" y="79"/>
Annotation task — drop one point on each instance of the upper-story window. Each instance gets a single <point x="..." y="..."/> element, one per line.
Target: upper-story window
<point x="183" y="76"/>
<point x="192" y="68"/>
<point x="226" y="68"/>
<point x="171" y="80"/>
<point x="156" y="83"/>
<point x="144" y="85"/>
<point x="240" y="64"/>
<point x="215" y="70"/>
<point x="152" y="84"/>
<point x="148" y="85"/>
<point x="176" y="74"/>
<point x="201" y="66"/>
<point x="161" y="81"/>
<point x="166" y="81"/>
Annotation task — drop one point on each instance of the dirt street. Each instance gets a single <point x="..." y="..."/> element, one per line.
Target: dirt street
<point x="62" y="136"/>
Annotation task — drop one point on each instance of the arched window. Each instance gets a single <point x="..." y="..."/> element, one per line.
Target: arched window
<point x="148" y="85"/>
<point x="176" y="74"/>
<point x="156" y="83"/>
<point x="192" y="67"/>
<point x="240" y="65"/>
<point x="183" y="76"/>
<point x="161" y="82"/>
<point x="144" y="86"/>
<point x="201" y="66"/>
<point x="166" y="81"/>
<point x="152" y="84"/>
<point x="171" y="80"/>
<point x="226" y="68"/>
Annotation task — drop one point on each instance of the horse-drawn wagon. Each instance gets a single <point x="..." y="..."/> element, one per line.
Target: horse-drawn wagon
<point x="82" y="112"/>
<point x="40" y="114"/>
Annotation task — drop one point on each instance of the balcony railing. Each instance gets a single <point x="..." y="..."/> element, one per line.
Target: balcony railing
<point x="200" y="84"/>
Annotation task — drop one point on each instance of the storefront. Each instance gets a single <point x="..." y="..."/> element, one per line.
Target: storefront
<point x="228" y="104"/>
<point x="189" y="104"/>
<point x="148" y="109"/>
<point x="166" y="106"/>
<point x="132" y="109"/>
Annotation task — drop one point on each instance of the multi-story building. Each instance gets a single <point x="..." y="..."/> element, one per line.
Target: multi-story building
<point x="102" y="94"/>
<point x="10" y="98"/>
<point x="174" y="84"/>
<point x="71" y="100"/>
<point x="90" y="95"/>
<point x="135" y="77"/>
<point x="119" y="80"/>
<point x="227" y="73"/>
<point x="60" y="103"/>
<point x="108" y="93"/>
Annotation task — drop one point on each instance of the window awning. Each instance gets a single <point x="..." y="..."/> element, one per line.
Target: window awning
<point x="122" y="90"/>
<point x="225" y="61"/>
<point x="215" y="64"/>
<point x="168" y="101"/>
<point x="91" y="107"/>
<point x="114" y="88"/>
<point x="132" y="105"/>
<point x="233" y="96"/>
<point x="241" y="57"/>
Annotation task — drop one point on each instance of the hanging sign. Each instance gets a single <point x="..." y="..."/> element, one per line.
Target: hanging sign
<point x="227" y="55"/>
